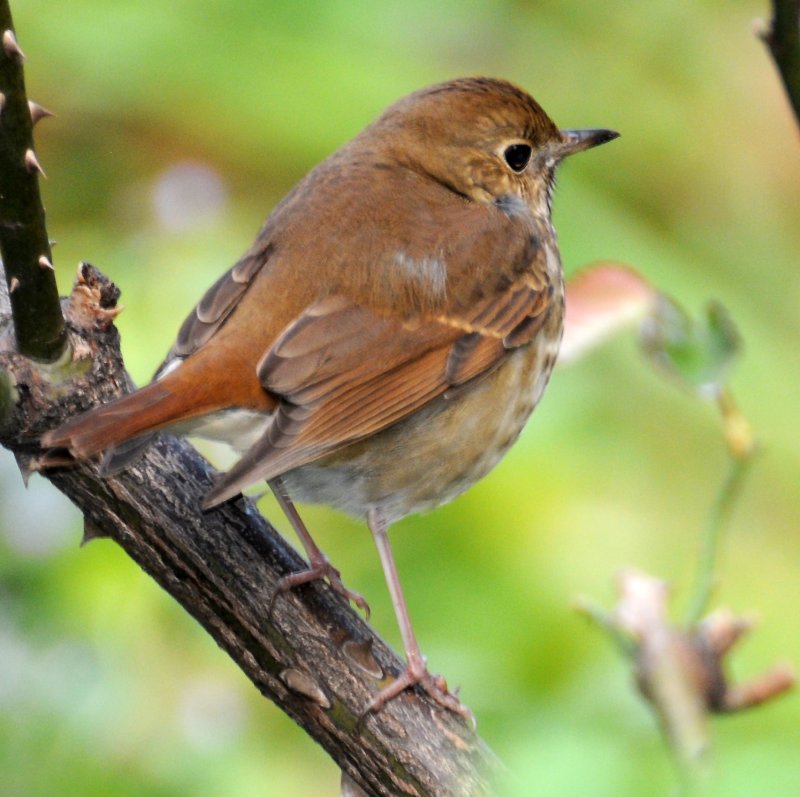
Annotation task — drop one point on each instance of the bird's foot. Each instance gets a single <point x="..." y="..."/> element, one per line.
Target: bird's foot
<point x="320" y="569"/>
<point x="416" y="674"/>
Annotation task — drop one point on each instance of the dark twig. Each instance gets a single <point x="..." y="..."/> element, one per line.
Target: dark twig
<point x="24" y="244"/>
<point x="783" y="39"/>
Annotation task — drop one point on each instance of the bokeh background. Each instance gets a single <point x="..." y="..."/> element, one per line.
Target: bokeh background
<point x="179" y="126"/>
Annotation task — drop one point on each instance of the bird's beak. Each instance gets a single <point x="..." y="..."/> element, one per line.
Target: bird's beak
<point x="573" y="141"/>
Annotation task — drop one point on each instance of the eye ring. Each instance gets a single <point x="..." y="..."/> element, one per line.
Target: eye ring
<point x="517" y="156"/>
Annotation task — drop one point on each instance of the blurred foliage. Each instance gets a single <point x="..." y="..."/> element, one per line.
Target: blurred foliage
<point x="696" y="353"/>
<point x="107" y="688"/>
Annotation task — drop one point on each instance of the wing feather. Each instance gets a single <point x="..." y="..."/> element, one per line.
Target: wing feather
<point x="343" y="372"/>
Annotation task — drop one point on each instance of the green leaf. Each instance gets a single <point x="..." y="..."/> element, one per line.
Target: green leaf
<point x="696" y="353"/>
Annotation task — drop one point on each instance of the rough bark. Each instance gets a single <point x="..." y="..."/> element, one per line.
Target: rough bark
<point x="312" y="655"/>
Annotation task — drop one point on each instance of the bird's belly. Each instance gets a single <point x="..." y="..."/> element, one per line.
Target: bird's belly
<point x="239" y="428"/>
<point x="437" y="453"/>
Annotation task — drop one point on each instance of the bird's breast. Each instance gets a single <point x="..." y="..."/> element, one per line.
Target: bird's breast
<point x="438" y="452"/>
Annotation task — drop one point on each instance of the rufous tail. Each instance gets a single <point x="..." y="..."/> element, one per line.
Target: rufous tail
<point x="147" y="410"/>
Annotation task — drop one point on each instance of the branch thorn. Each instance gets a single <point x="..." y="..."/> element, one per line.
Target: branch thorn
<point x="32" y="163"/>
<point x="13" y="285"/>
<point x="44" y="263"/>
<point x="13" y="50"/>
<point x="38" y="112"/>
<point x="91" y="531"/>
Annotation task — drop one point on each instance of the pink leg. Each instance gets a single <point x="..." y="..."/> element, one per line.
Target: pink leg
<point x="318" y="564"/>
<point x="415" y="672"/>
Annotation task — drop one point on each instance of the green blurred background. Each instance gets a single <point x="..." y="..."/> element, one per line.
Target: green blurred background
<point x="179" y="126"/>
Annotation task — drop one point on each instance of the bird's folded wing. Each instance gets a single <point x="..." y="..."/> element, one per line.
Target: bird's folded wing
<point x="344" y="372"/>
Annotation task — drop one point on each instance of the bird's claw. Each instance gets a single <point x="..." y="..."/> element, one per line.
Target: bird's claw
<point x="435" y="687"/>
<point x="320" y="570"/>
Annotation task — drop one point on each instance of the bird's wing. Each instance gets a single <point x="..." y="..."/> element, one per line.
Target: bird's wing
<point x="219" y="301"/>
<point x="343" y="372"/>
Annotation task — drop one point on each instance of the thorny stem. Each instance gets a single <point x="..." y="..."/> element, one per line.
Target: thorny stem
<point x="24" y="243"/>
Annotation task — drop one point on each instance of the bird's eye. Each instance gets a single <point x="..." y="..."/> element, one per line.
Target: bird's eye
<point x="517" y="156"/>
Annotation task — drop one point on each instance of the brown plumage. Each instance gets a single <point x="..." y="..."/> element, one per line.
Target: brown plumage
<point x="383" y="341"/>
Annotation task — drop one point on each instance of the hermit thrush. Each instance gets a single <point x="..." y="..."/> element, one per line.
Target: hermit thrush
<point x="383" y="341"/>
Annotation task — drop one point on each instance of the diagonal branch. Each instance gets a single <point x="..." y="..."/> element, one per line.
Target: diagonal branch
<point x="24" y="245"/>
<point x="311" y="654"/>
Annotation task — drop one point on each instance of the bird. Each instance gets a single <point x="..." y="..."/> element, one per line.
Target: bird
<point x="383" y="341"/>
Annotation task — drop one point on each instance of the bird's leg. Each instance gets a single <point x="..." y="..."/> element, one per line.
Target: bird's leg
<point x="318" y="564"/>
<point x="415" y="672"/>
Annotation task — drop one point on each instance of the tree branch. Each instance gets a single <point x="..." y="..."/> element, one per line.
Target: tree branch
<point x="312" y="655"/>
<point x="783" y="39"/>
<point x="24" y="244"/>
